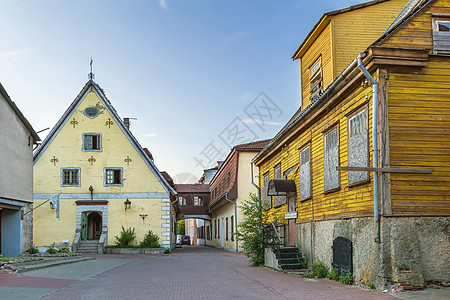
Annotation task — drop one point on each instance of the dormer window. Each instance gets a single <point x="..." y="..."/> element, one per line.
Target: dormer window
<point x="315" y="79"/>
<point x="441" y="35"/>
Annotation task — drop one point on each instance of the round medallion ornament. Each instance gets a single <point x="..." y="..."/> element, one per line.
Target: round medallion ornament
<point x="91" y="112"/>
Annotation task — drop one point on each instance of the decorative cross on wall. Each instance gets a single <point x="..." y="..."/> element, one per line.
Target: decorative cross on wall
<point x="74" y="122"/>
<point x="109" y="122"/>
<point x="128" y="160"/>
<point x="91" y="160"/>
<point x="54" y="160"/>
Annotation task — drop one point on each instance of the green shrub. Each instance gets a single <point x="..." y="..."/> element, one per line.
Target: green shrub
<point x="64" y="250"/>
<point x="333" y="274"/>
<point x="31" y="250"/>
<point x="372" y="286"/>
<point x="319" y="270"/>
<point x="51" y="251"/>
<point x="346" y="279"/>
<point x="167" y="251"/>
<point x="151" y="240"/>
<point x="125" y="237"/>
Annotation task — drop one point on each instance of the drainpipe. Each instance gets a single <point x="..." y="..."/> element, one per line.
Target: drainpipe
<point x="376" y="213"/>
<point x="235" y="218"/>
<point x="171" y="222"/>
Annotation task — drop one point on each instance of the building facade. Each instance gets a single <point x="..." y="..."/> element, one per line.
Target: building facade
<point x="98" y="178"/>
<point x="230" y="188"/>
<point x="366" y="151"/>
<point x="17" y="139"/>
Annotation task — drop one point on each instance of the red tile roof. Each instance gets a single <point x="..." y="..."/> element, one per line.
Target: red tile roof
<point x="253" y="145"/>
<point x="167" y="177"/>
<point x="149" y="154"/>
<point x="192" y="188"/>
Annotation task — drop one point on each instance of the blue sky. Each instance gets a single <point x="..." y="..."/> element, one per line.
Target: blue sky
<point x="188" y="70"/>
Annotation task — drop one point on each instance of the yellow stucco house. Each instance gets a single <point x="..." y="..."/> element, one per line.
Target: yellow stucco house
<point x="98" y="179"/>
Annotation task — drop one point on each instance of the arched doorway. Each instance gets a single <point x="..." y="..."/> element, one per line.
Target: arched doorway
<point x="91" y="225"/>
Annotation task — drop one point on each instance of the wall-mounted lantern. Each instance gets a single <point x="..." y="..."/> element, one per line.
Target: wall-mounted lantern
<point x="127" y="204"/>
<point x="91" y="189"/>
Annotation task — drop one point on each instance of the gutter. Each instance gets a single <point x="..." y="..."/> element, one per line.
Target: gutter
<point x="235" y="218"/>
<point x="376" y="212"/>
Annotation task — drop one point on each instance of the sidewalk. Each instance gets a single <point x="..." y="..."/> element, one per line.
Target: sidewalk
<point x="44" y="262"/>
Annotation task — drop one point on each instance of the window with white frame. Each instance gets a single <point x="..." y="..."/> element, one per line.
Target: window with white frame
<point x="331" y="177"/>
<point x="358" y="146"/>
<point x="441" y="35"/>
<point x="198" y="201"/>
<point x="182" y="201"/>
<point x="305" y="173"/>
<point x="92" y="142"/>
<point x="113" y="177"/>
<point x="315" y="79"/>
<point x="70" y="176"/>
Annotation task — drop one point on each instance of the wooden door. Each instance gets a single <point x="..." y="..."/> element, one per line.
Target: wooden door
<point x="291" y="222"/>
<point x="84" y="226"/>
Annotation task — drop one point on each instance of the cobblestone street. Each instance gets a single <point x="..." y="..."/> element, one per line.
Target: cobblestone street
<point x="188" y="273"/>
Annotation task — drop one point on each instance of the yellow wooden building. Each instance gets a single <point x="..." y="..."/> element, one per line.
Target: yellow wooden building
<point x="98" y="179"/>
<point x="384" y="63"/>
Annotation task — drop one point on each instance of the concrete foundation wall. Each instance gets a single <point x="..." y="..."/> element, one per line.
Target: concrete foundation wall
<point x="412" y="251"/>
<point x="270" y="259"/>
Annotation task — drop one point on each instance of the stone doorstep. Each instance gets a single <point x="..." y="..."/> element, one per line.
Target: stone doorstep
<point x="51" y="263"/>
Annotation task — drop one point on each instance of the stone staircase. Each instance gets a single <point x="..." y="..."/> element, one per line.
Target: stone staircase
<point x="289" y="258"/>
<point x="88" y="246"/>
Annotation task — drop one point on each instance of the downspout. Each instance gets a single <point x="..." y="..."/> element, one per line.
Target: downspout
<point x="171" y="223"/>
<point x="259" y="199"/>
<point x="376" y="213"/>
<point x="235" y="219"/>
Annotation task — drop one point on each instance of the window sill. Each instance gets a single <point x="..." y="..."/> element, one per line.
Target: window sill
<point x="305" y="199"/>
<point x="331" y="191"/>
<point x="70" y="185"/>
<point x="358" y="183"/>
<point x="93" y="150"/>
<point x="112" y="184"/>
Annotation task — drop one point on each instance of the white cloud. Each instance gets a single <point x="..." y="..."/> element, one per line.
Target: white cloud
<point x="247" y="96"/>
<point x="163" y="4"/>
<point x="255" y="121"/>
<point x="148" y="135"/>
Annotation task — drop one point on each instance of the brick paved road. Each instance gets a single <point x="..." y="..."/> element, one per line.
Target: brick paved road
<point x="203" y="273"/>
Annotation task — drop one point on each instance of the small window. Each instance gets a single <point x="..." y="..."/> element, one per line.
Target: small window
<point x="358" y="146"/>
<point x="92" y="142"/>
<point x="182" y="201"/>
<point x="232" y="227"/>
<point x="198" y="201"/>
<point x="113" y="177"/>
<point x="266" y="200"/>
<point x="218" y="228"/>
<point x="331" y="177"/>
<point x="305" y="173"/>
<point x="278" y="200"/>
<point x="226" y="228"/>
<point x="215" y="228"/>
<point x="315" y="79"/>
<point x="70" y="177"/>
<point x="441" y="35"/>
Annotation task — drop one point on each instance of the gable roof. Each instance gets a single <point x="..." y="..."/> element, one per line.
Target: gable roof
<point x="19" y="114"/>
<point x="92" y="86"/>
<point x="324" y="20"/>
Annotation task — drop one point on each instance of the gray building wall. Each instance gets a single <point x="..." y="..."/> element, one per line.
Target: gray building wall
<point x="16" y="178"/>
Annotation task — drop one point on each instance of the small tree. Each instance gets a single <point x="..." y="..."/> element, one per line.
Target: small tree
<point x="181" y="227"/>
<point x="125" y="237"/>
<point x="251" y="230"/>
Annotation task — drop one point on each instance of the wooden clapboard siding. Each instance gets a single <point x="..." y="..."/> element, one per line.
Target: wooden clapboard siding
<point x="419" y="123"/>
<point x="417" y="32"/>
<point x="320" y="48"/>
<point x="348" y="201"/>
<point x="355" y="30"/>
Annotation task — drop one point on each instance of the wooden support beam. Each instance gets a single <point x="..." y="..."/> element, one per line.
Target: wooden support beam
<point x="385" y="170"/>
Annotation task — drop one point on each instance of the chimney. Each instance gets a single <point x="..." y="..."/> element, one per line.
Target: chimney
<point x="126" y="121"/>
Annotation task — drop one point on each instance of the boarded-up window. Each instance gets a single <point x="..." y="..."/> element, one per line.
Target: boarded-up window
<point x="305" y="173"/>
<point x="331" y="178"/>
<point x="266" y="200"/>
<point x="278" y="200"/>
<point x="315" y="78"/>
<point x="441" y="35"/>
<point x="358" y="146"/>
